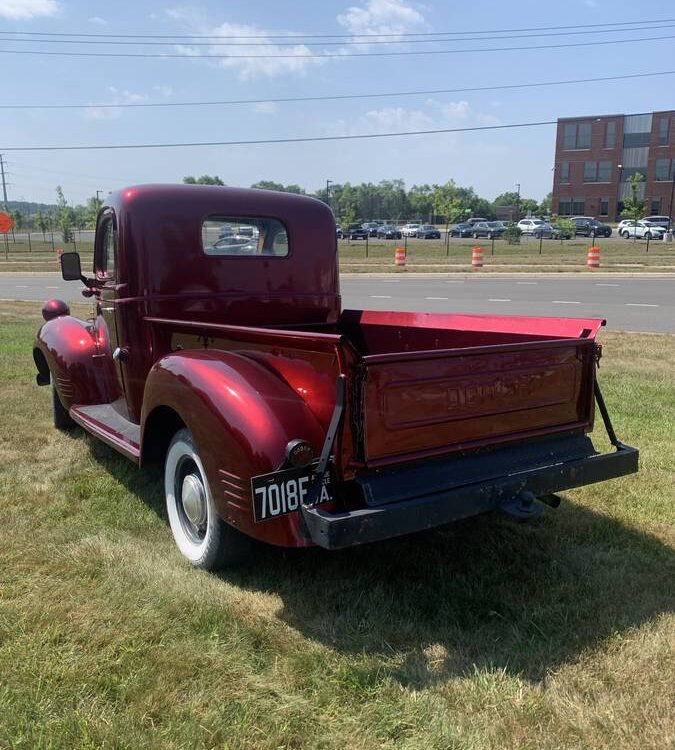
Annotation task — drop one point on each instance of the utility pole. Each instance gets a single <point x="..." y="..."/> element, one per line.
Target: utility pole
<point x="4" y="184"/>
<point x="328" y="184"/>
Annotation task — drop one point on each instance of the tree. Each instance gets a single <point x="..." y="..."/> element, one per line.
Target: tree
<point x="278" y="186"/>
<point x="42" y="223"/>
<point x="92" y="208"/>
<point x="634" y="206"/>
<point x="18" y="218"/>
<point x="205" y="179"/>
<point x="447" y="202"/>
<point x="64" y="216"/>
<point x="545" y="205"/>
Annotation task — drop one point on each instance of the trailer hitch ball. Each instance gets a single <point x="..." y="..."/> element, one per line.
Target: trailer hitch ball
<point x="522" y="506"/>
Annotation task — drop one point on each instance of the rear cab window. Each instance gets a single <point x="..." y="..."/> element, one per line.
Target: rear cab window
<point x="225" y="236"/>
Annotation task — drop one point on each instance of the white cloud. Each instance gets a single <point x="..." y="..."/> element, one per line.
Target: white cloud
<point x="385" y="120"/>
<point x="165" y="91"/>
<point x="285" y="60"/>
<point x="28" y="8"/>
<point x="265" y="108"/>
<point x="114" y="113"/>
<point x="97" y="21"/>
<point x="381" y="17"/>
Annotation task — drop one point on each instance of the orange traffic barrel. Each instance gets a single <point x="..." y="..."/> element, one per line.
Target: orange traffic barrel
<point x="477" y="257"/>
<point x="399" y="256"/>
<point x="593" y="257"/>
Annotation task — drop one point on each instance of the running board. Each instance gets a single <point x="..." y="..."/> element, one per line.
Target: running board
<point x="107" y="424"/>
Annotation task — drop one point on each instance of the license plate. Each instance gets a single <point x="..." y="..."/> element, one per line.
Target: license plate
<point x="281" y="492"/>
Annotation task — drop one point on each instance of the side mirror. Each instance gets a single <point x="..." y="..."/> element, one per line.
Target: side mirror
<point x="70" y="267"/>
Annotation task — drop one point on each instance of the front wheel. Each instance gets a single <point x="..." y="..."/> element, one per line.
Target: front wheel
<point x="200" y="533"/>
<point x="625" y="235"/>
<point x="62" y="419"/>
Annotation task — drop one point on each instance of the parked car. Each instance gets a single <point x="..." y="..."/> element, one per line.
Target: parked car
<point x="409" y="230"/>
<point x="463" y="229"/>
<point x="475" y="220"/>
<point x="547" y="231"/>
<point x="527" y="226"/>
<point x="280" y="416"/>
<point x="489" y="229"/>
<point x="589" y="227"/>
<point x="338" y="232"/>
<point x="642" y="230"/>
<point x="662" y="221"/>
<point x="427" y="232"/>
<point x="371" y="227"/>
<point x="234" y="244"/>
<point x="389" y="232"/>
<point x="356" y="232"/>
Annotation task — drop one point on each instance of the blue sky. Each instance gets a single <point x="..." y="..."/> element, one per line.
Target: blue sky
<point x="490" y="161"/>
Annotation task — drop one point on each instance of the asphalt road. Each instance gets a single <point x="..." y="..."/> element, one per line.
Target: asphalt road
<point x="628" y="303"/>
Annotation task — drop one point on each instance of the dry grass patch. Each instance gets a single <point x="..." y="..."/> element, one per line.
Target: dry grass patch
<point x="486" y="634"/>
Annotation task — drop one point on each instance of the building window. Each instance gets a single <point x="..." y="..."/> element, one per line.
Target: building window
<point x="662" y="170"/>
<point x="564" y="172"/>
<point x="604" y="207"/>
<point x="655" y="204"/>
<point x="610" y="134"/>
<point x="595" y="171"/>
<point x="636" y="140"/>
<point x="590" y="171"/>
<point x="564" y="207"/>
<point x="576" y="136"/>
<point x="604" y="171"/>
<point x="578" y="206"/>
<point x="664" y="125"/>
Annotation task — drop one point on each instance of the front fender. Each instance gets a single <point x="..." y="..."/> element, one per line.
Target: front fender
<point x="241" y="417"/>
<point x="81" y="371"/>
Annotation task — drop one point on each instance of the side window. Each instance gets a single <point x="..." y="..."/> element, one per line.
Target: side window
<point x="244" y="236"/>
<point x="105" y="250"/>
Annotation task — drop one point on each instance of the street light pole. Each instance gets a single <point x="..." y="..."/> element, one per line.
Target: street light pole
<point x="328" y="184"/>
<point x="518" y="201"/>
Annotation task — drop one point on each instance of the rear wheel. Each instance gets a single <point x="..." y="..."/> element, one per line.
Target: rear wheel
<point x="648" y="235"/>
<point x="200" y="533"/>
<point x="625" y="234"/>
<point x="62" y="419"/>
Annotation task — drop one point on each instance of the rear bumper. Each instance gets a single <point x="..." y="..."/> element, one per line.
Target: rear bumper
<point x="464" y="487"/>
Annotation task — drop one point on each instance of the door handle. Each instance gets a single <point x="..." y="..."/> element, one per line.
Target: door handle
<point x="120" y="353"/>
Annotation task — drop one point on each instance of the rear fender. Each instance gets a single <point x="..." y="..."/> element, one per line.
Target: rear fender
<point x="81" y="370"/>
<point x="241" y="416"/>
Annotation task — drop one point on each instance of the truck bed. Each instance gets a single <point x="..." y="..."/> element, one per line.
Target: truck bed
<point x="423" y="384"/>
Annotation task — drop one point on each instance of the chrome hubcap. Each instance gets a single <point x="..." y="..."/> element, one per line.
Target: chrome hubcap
<point x="193" y="499"/>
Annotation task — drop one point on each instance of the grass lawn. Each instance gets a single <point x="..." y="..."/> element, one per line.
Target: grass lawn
<point x="557" y="633"/>
<point x="432" y="256"/>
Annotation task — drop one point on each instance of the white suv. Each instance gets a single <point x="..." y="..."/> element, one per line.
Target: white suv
<point x="529" y="226"/>
<point x="410" y="230"/>
<point x="640" y="229"/>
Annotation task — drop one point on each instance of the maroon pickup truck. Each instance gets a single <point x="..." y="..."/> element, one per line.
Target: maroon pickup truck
<point x="219" y="347"/>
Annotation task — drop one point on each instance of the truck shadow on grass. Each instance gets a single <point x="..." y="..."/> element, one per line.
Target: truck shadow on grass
<point x="485" y="593"/>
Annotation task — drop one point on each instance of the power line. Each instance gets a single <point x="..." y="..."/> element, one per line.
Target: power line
<point x="326" y="55"/>
<point x="265" y="141"/>
<point x="348" y="42"/>
<point x="321" y="35"/>
<point x="334" y="97"/>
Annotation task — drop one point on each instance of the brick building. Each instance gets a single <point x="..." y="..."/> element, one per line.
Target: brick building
<point x="595" y="156"/>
